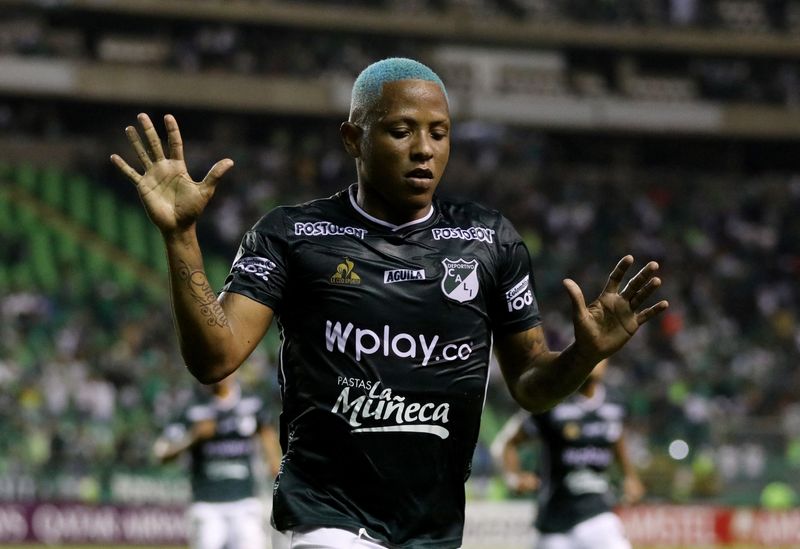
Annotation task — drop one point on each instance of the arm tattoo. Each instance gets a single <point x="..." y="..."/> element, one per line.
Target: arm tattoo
<point x="203" y="295"/>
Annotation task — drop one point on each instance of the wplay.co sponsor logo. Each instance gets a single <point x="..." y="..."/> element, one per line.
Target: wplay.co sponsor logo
<point x="389" y="344"/>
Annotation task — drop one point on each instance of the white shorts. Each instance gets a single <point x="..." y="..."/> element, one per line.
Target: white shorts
<point x="325" y="538"/>
<point x="239" y="524"/>
<point x="604" y="530"/>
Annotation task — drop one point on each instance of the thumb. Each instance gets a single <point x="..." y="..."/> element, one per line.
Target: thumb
<point x="217" y="171"/>
<point x="576" y="295"/>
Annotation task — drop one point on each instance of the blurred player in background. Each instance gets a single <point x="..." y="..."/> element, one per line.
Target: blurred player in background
<point x="224" y="435"/>
<point x="580" y="440"/>
<point x="389" y="302"/>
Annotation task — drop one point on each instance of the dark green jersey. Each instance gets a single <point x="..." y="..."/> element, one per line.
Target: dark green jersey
<point x="386" y="338"/>
<point x="578" y="438"/>
<point x="222" y="466"/>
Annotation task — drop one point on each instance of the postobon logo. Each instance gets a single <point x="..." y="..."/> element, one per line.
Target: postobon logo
<point x="520" y="295"/>
<point x="326" y="228"/>
<point x="481" y="234"/>
<point x="386" y="412"/>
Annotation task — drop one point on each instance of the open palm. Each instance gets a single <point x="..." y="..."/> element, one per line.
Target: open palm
<point x="172" y="199"/>
<point x="603" y="326"/>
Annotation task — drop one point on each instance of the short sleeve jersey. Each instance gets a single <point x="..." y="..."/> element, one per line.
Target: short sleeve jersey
<point x="578" y="438"/>
<point x="222" y="467"/>
<point x="386" y="339"/>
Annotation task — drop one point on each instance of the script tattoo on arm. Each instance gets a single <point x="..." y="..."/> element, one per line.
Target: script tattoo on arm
<point x="200" y="289"/>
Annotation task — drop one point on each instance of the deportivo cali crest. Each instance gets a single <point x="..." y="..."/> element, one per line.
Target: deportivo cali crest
<point x="460" y="281"/>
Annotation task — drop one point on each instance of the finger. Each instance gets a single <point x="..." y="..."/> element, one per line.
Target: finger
<point x="152" y="137"/>
<point x="642" y="295"/>
<point x="123" y="166"/>
<point x="641" y="279"/>
<point x="650" y="312"/>
<point x="617" y="274"/>
<point x="173" y="138"/>
<point x="217" y="171"/>
<point x="576" y="295"/>
<point x="138" y="146"/>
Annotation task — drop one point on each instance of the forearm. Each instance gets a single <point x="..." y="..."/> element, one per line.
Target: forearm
<point x="204" y="331"/>
<point x="623" y="460"/>
<point x="549" y="377"/>
<point x="271" y="450"/>
<point x="165" y="450"/>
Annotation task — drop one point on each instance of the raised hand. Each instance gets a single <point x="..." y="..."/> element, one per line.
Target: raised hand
<point x="607" y="323"/>
<point x="172" y="199"/>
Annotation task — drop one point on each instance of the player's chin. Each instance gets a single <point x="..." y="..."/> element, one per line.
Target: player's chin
<point x="418" y="191"/>
<point x="420" y="185"/>
<point x="417" y="201"/>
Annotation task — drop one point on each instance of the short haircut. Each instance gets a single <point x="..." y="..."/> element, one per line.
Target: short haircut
<point x="368" y="86"/>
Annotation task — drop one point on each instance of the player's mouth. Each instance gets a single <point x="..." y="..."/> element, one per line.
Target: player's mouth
<point x="420" y="176"/>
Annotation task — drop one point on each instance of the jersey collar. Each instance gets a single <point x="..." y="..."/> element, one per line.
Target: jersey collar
<point x="351" y="192"/>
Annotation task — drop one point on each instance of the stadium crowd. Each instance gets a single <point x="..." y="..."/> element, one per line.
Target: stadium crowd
<point x="237" y="47"/>
<point x="93" y="381"/>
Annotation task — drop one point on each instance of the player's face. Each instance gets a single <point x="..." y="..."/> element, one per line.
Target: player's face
<point x="404" y="151"/>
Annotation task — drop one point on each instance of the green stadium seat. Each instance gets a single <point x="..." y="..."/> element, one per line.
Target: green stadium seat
<point x="22" y="275"/>
<point x="52" y="181"/>
<point x="134" y="233"/>
<point x="27" y="177"/>
<point x="79" y="199"/>
<point x="125" y="278"/>
<point x="43" y="260"/>
<point x="27" y="218"/>
<point x="5" y="279"/>
<point x="67" y="248"/>
<point x="96" y="266"/>
<point x="7" y="212"/>
<point x="106" y="220"/>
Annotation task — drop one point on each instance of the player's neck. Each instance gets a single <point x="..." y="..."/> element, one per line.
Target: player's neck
<point x="385" y="214"/>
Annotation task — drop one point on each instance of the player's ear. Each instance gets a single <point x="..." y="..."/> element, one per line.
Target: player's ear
<point x="351" y="137"/>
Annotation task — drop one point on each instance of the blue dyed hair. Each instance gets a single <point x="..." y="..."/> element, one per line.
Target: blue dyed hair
<point x="368" y="86"/>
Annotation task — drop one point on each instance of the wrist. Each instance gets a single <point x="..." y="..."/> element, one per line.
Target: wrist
<point x="583" y="356"/>
<point x="184" y="236"/>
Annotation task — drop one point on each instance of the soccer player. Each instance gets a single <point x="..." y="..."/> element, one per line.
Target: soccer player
<point x="389" y="302"/>
<point x="224" y="435"/>
<point x="580" y="440"/>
